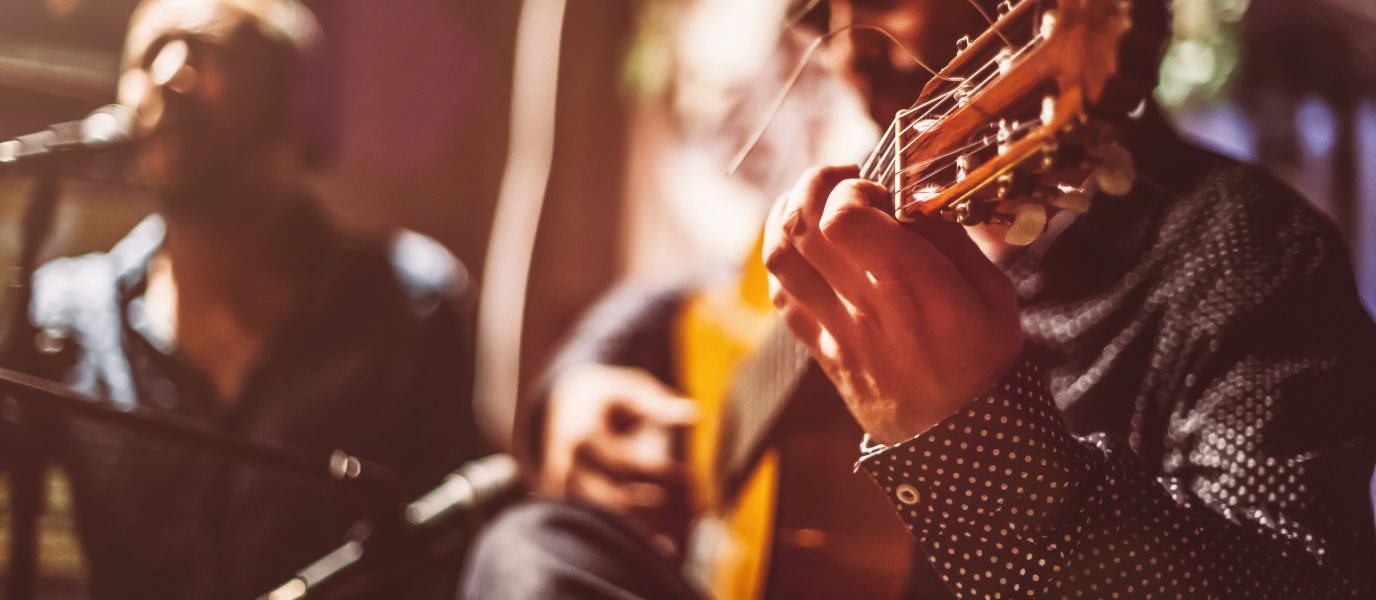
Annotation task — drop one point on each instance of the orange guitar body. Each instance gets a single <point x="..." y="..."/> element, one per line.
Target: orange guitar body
<point x="803" y="525"/>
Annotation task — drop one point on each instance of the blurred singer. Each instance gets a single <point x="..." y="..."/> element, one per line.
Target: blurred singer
<point x="240" y="306"/>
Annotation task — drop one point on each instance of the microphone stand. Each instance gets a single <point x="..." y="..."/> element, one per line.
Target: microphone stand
<point x="26" y="483"/>
<point x="402" y="546"/>
<point x="30" y="398"/>
<point x="39" y="395"/>
<point x="416" y="547"/>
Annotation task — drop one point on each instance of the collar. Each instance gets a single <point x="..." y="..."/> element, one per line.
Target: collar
<point x="133" y="256"/>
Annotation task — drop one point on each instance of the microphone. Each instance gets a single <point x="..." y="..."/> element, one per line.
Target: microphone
<point x="438" y="527"/>
<point x="471" y="487"/>
<point x="109" y="126"/>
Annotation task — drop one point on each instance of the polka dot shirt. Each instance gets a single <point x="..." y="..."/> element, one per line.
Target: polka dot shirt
<point x="1007" y="504"/>
<point x="1194" y="418"/>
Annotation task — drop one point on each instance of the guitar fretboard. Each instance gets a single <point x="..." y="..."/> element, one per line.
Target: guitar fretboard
<point x="765" y="382"/>
<point x="757" y="397"/>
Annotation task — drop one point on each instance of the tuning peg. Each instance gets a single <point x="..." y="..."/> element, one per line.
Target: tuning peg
<point x="1072" y="199"/>
<point x="1116" y="172"/>
<point x="1076" y="202"/>
<point x="1004" y="60"/>
<point x="1004" y="135"/>
<point x="972" y="212"/>
<point x="1048" y="24"/>
<point x="963" y="92"/>
<point x="1025" y="223"/>
<point x="1005" y="7"/>
<point x="964" y="164"/>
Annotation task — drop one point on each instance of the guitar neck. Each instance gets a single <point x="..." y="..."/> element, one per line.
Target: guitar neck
<point x="758" y="394"/>
<point x="762" y="386"/>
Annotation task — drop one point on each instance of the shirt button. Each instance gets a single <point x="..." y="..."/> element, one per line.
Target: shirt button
<point x="907" y="494"/>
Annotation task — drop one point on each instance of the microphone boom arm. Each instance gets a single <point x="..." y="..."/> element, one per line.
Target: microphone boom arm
<point x="43" y="395"/>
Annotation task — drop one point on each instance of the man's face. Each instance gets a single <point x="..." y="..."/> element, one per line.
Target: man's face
<point x="883" y="72"/>
<point x="208" y="89"/>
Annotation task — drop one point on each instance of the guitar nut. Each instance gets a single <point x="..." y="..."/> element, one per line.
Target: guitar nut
<point x="907" y="494"/>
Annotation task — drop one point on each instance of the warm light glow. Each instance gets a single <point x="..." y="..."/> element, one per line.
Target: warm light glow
<point x="170" y="60"/>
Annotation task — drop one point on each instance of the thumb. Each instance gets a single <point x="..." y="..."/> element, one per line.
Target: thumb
<point x="659" y="404"/>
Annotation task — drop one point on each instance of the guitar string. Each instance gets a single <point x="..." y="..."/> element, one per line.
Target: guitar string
<point x="794" y="20"/>
<point x="1030" y="44"/>
<point x="797" y="17"/>
<point x="953" y="163"/>
<point x="886" y="142"/>
<point x="982" y="143"/>
<point x="944" y="167"/>
<point x="798" y="71"/>
<point x="992" y="26"/>
<point x="931" y="106"/>
<point x="889" y="169"/>
<point x="887" y="172"/>
<point x="894" y="162"/>
<point x="880" y="152"/>
<point x="976" y="89"/>
<point x="979" y="145"/>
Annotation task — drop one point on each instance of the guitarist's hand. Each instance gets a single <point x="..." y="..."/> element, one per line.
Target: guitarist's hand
<point x="613" y="437"/>
<point x="910" y="322"/>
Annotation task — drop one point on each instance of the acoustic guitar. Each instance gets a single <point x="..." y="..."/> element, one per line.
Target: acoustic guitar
<point x="1024" y="119"/>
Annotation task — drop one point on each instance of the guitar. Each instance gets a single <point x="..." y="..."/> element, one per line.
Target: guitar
<point x="1025" y="118"/>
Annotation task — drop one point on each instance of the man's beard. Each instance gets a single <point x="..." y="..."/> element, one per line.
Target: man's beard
<point x="219" y="196"/>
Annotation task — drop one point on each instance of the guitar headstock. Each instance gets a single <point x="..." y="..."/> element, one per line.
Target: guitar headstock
<point x="1025" y="115"/>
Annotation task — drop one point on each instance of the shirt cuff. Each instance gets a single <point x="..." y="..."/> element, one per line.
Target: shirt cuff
<point x="1004" y="456"/>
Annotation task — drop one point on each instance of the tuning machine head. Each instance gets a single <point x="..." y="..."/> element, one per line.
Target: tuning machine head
<point x="972" y="212"/>
<point x="1022" y="222"/>
<point x="1114" y="169"/>
<point x="1071" y="198"/>
<point x="962" y="44"/>
<point x="964" y="164"/>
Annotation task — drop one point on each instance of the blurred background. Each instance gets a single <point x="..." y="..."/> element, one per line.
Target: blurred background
<point x="652" y="99"/>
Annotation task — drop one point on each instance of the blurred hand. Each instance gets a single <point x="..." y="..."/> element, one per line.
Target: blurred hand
<point x="910" y="322"/>
<point x="614" y="437"/>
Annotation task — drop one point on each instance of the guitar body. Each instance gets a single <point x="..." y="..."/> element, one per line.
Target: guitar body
<point x="802" y="524"/>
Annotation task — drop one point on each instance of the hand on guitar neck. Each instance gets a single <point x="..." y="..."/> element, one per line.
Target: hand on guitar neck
<point x="614" y="438"/>
<point x="909" y="322"/>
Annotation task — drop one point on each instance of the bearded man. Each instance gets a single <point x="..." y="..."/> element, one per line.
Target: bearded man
<point x="238" y="305"/>
<point x="1162" y="398"/>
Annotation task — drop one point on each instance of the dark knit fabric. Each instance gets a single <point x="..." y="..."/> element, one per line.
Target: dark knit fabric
<point x="568" y="551"/>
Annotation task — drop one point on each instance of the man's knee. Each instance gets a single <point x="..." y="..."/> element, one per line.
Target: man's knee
<point x="562" y="550"/>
